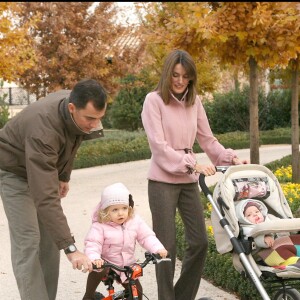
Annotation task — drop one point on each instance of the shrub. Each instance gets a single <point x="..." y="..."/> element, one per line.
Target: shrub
<point x="274" y="110"/>
<point x="277" y="109"/>
<point x="125" y="111"/>
<point x="235" y="103"/>
<point x="4" y="110"/>
<point x="115" y="147"/>
<point x="121" y="146"/>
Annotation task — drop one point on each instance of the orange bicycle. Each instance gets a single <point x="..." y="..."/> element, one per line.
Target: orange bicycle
<point x="132" y="273"/>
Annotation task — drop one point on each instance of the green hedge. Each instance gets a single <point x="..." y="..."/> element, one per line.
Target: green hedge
<point x="121" y="146"/>
<point x="274" y="110"/>
<point x="116" y="146"/>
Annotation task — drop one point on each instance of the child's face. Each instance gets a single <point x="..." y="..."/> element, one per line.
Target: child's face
<point x="118" y="213"/>
<point x="253" y="215"/>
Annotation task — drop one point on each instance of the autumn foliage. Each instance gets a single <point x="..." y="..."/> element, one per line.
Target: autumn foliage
<point x="72" y="42"/>
<point x="16" y="52"/>
<point x="252" y="35"/>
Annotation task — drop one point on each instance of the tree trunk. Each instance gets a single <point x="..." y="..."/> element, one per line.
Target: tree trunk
<point x="267" y="84"/>
<point x="236" y="79"/>
<point x="295" y="122"/>
<point x="253" y="109"/>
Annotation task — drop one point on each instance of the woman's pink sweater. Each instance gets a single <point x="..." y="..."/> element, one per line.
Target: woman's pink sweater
<point x="173" y="127"/>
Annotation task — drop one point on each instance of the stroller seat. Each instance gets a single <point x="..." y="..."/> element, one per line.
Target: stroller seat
<point x="251" y="182"/>
<point x="227" y="192"/>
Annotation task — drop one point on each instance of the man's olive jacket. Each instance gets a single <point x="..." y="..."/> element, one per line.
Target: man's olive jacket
<point x="40" y="144"/>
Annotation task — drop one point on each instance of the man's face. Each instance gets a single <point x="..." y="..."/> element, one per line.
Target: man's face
<point x="87" y="118"/>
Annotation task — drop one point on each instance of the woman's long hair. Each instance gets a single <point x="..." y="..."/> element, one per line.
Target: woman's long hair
<point x="164" y="85"/>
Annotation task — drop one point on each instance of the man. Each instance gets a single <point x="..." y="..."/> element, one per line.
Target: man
<point x="37" y="150"/>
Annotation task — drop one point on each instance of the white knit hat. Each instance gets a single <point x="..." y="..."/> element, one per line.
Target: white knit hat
<point x="114" y="194"/>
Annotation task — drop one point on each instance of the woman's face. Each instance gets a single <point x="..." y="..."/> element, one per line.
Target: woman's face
<point x="180" y="79"/>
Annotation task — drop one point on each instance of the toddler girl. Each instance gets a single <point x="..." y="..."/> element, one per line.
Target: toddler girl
<point x="113" y="236"/>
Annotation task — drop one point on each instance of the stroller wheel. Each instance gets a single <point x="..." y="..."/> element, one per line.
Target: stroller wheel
<point x="287" y="294"/>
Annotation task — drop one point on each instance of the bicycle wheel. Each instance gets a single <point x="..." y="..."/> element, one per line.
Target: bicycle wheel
<point x="288" y="294"/>
<point x="98" y="296"/>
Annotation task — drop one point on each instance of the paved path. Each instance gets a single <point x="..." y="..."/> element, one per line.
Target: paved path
<point x="85" y="189"/>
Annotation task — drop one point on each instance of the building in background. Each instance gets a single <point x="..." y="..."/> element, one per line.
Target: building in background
<point x="16" y="97"/>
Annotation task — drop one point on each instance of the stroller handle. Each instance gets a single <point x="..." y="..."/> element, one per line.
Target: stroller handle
<point x="202" y="183"/>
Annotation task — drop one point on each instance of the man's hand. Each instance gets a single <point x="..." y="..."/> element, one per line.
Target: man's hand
<point x="63" y="189"/>
<point x="80" y="261"/>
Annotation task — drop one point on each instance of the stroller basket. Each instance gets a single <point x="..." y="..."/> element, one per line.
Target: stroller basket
<point x="229" y="190"/>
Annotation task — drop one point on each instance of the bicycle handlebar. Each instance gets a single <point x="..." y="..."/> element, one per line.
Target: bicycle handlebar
<point x="154" y="258"/>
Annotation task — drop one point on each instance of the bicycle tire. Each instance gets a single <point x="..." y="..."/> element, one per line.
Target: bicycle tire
<point x="120" y="295"/>
<point x="99" y="296"/>
<point x="290" y="294"/>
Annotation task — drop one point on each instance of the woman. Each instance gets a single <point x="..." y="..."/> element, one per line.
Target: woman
<point x="173" y="117"/>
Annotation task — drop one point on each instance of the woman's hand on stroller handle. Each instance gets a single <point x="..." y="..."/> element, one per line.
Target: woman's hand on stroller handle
<point x="207" y="170"/>
<point x="202" y="183"/>
<point x="238" y="161"/>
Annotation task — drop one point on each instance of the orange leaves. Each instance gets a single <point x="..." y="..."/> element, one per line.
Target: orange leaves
<point x="16" y="51"/>
<point x="280" y="41"/>
<point x="229" y="31"/>
<point x="262" y="14"/>
<point x="182" y="25"/>
<point x="242" y="35"/>
<point x="74" y="42"/>
<point x="268" y="31"/>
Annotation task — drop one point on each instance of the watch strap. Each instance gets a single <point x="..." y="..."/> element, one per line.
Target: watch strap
<point x="70" y="249"/>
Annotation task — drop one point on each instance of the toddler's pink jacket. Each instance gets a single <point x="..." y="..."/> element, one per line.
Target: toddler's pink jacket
<point x="173" y="127"/>
<point x="116" y="243"/>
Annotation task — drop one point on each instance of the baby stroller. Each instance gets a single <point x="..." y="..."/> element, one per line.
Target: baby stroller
<point x="229" y="236"/>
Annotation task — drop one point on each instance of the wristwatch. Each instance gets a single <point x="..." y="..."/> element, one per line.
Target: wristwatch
<point x="70" y="249"/>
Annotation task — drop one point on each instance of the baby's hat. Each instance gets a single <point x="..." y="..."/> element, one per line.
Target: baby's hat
<point x="242" y="205"/>
<point x="114" y="194"/>
<point x="251" y="203"/>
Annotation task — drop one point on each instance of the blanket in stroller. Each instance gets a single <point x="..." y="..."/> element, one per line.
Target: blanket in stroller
<point x="284" y="254"/>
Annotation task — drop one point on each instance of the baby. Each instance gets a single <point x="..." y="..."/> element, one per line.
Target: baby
<point x="281" y="249"/>
<point x="253" y="213"/>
